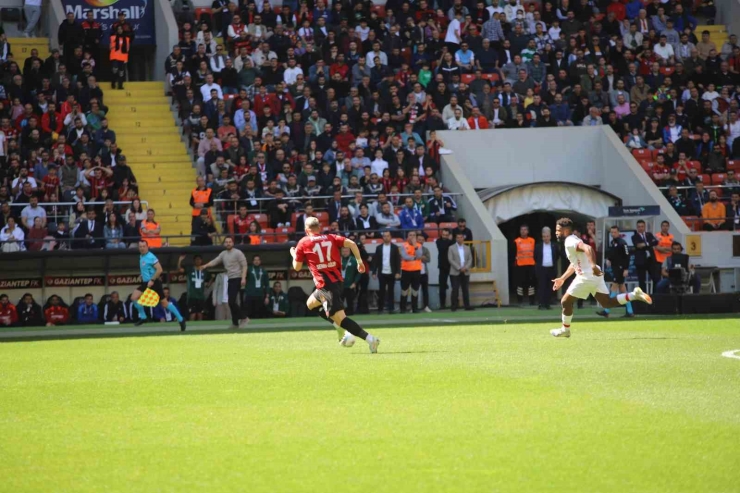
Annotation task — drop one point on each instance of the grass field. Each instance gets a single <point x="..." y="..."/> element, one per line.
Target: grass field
<point x="648" y="405"/>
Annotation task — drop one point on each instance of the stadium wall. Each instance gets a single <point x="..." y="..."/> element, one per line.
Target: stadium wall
<point x="53" y="19"/>
<point x="166" y="35"/>
<point x="728" y="13"/>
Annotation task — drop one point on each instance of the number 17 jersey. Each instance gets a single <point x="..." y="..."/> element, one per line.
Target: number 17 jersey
<point x="322" y="253"/>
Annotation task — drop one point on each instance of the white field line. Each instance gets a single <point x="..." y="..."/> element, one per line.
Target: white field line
<point x="732" y="354"/>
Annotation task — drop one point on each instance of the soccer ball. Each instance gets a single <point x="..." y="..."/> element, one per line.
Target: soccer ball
<point x="348" y="340"/>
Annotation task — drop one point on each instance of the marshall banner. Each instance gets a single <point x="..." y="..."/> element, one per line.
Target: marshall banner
<point x="139" y="13"/>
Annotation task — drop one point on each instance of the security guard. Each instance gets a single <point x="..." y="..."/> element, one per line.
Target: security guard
<point x="411" y="253"/>
<point x="618" y="258"/>
<point x="201" y="198"/>
<point x="524" y="274"/>
<point x="120" y="47"/>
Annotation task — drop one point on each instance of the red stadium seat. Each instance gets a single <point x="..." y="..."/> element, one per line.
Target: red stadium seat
<point x="201" y="11"/>
<point x="647" y="165"/>
<point x="692" y="222"/>
<point x="230" y="223"/>
<point x="431" y="230"/>
<point x="268" y="235"/>
<point x="657" y="152"/>
<point x="323" y="218"/>
<point x="282" y="234"/>
<point x="374" y="241"/>
<point x="642" y="154"/>
<point x="733" y="165"/>
<point x="491" y="77"/>
<point x="703" y="178"/>
<point x="406" y="53"/>
<point x="667" y="70"/>
<point x="718" y="178"/>
<point x="449" y="226"/>
<point x="294" y="218"/>
<point x="380" y="10"/>
<point x="467" y="78"/>
<point x="261" y="219"/>
<point x="695" y="165"/>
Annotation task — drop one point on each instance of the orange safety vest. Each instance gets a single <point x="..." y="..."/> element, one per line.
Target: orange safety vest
<point x="201" y="197"/>
<point x="410" y="265"/>
<point x="152" y="239"/>
<point x="255" y="239"/>
<point x="524" y="251"/>
<point x="663" y="241"/>
<point x="117" y="54"/>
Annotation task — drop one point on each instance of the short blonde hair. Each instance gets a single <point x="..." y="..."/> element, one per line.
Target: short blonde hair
<point x="312" y="223"/>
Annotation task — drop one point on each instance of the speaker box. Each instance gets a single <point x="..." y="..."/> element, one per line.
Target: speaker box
<point x="710" y="303"/>
<point x="663" y="304"/>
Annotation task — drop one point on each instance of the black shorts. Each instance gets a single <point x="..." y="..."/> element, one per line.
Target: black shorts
<point x="410" y="278"/>
<point x="156" y="287"/>
<point x="331" y="297"/>
<point x="618" y="274"/>
<point x="196" y="306"/>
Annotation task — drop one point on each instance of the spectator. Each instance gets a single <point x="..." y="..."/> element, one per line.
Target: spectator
<point x="32" y="9"/>
<point x="8" y="313"/>
<point x="678" y="259"/>
<point x="203" y="230"/>
<point x="36" y="235"/>
<point x="714" y="213"/>
<point x="114" y="309"/>
<point x="150" y="230"/>
<point x="462" y="228"/>
<point x="120" y="46"/>
<point x="132" y="231"/>
<point x="87" y="311"/>
<point x="410" y="216"/>
<point x="113" y="233"/>
<point x="256" y="294"/>
<point x="161" y="313"/>
<point x="278" y="302"/>
<point x="12" y="237"/>
<point x="31" y="212"/>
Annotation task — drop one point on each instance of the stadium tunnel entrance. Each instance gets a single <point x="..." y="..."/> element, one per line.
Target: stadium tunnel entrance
<point x="542" y="204"/>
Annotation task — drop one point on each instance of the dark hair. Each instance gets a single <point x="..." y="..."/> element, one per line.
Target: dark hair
<point x="615" y="227"/>
<point x="665" y="222"/>
<point x="565" y="223"/>
<point x="88" y="294"/>
<point x="639" y="221"/>
<point x="677" y="243"/>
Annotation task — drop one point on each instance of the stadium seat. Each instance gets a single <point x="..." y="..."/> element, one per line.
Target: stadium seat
<point x="718" y="178"/>
<point x="733" y="165"/>
<point x="380" y="10"/>
<point x="449" y="226"/>
<point x="201" y="11"/>
<point x="230" y="223"/>
<point x="703" y="178"/>
<point x="261" y="219"/>
<point x="692" y="222"/>
<point x="431" y="230"/>
<point x="467" y="78"/>
<point x="283" y="234"/>
<point x="667" y="70"/>
<point x="269" y="235"/>
<point x="642" y="154"/>
<point x="695" y="165"/>
<point x="491" y="77"/>
<point x="294" y="218"/>
<point x="647" y="165"/>
<point x="374" y="241"/>
<point x="323" y="218"/>
<point x="656" y="153"/>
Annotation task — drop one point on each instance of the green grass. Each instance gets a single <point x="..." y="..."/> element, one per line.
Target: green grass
<point x="641" y="406"/>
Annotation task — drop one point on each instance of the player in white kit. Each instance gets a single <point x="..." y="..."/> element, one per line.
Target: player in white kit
<point x="589" y="279"/>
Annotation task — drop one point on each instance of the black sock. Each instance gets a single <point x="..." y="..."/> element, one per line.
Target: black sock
<point x="322" y="313"/>
<point x="353" y="328"/>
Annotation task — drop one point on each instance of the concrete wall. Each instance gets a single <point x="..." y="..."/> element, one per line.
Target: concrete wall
<point x="728" y="13"/>
<point x="166" y="34"/>
<point x="53" y="19"/>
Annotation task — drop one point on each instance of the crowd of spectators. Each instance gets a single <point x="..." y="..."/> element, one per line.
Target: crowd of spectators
<point x="284" y="101"/>
<point x="57" y="150"/>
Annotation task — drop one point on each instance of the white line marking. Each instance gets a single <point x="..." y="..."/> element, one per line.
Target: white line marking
<point x="731" y="354"/>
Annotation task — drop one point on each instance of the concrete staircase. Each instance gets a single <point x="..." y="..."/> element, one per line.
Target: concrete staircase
<point x="717" y="34"/>
<point x="21" y="48"/>
<point x="147" y="134"/>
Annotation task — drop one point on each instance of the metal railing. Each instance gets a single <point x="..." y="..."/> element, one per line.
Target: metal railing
<point x="63" y="215"/>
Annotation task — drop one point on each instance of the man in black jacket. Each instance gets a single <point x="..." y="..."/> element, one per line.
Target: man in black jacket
<point x="114" y="311"/>
<point x="546" y="256"/>
<point x="386" y="267"/>
<point x="89" y="233"/>
<point x="70" y="36"/>
<point x="644" y="257"/>
<point x="444" y="242"/>
<point x="618" y="258"/>
<point x="441" y="207"/>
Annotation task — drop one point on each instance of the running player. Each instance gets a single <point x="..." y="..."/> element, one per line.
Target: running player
<point x="151" y="270"/>
<point x="589" y="279"/>
<point x="618" y="258"/>
<point x="325" y="263"/>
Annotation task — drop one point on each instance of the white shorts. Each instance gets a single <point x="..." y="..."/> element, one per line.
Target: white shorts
<point x="582" y="287"/>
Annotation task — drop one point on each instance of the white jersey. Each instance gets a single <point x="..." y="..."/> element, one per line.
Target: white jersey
<point x="580" y="261"/>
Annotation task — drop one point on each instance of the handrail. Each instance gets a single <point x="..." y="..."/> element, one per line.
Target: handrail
<point x="319" y="197"/>
<point x="72" y="204"/>
<point x="689" y="187"/>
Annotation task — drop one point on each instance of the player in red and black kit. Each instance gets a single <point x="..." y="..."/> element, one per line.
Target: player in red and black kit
<point x="325" y="263"/>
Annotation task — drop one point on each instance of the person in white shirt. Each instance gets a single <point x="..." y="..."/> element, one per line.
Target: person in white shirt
<point x="589" y="280"/>
<point x="379" y="164"/>
<point x="458" y="122"/>
<point x="733" y="128"/>
<point x="205" y="90"/>
<point x="11" y="237"/>
<point x="292" y="72"/>
<point x="664" y="52"/>
<point x="710" y="94"/>
<point x="453" y="38"/>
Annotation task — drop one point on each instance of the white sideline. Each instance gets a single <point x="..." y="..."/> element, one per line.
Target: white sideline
<point x="731" y="354"/>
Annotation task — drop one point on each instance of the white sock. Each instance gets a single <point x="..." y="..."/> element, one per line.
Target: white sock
<point x="370" y="338"/>
<point x="623" y="298"/>
<point x="566" y="321"/>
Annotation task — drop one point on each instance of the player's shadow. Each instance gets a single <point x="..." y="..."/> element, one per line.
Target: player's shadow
<point x="381" y="352"/>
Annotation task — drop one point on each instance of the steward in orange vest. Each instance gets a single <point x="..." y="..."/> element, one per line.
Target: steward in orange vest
<point x="201" y="198"/>
<point x="411" y="253"/>
<point x="524" y="274"/>
<point x="120" y="46"/>
<point x="665" y="242"/>
<point x="151" y="230"/>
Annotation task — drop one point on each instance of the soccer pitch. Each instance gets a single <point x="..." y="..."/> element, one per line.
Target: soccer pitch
<point x="645" y="405"/>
